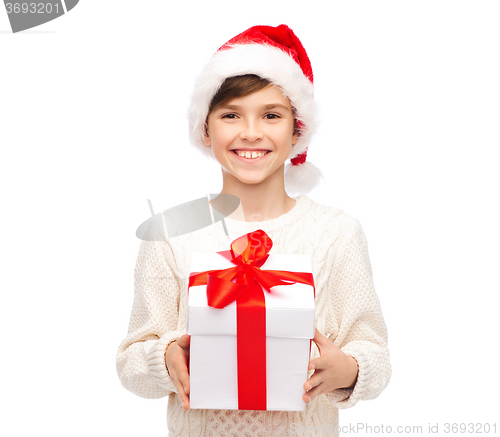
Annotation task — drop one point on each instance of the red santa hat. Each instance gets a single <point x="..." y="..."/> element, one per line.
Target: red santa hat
<point x="275" y="54"/>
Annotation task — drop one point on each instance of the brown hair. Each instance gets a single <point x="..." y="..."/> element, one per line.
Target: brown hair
<point x="239" y="86"/>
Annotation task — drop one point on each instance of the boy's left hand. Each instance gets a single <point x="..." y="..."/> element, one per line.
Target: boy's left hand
<point x="333" y="369"/>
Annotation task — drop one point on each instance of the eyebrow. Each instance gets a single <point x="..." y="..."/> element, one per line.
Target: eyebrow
<point x="265" y="107"/>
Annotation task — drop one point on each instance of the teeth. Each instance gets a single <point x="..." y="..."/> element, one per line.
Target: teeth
<point x="251" y="155"/>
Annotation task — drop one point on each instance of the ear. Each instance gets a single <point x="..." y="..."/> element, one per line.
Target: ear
<point x="295" y="135"/>
<point x="206" y="137"/>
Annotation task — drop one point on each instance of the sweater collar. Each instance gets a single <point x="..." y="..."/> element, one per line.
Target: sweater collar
<point x="302" y="204"/>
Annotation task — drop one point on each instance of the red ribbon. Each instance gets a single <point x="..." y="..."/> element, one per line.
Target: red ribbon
<point x="249" y="252"/>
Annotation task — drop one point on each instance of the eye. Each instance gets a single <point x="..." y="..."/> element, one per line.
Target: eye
<point x="230" y="116"/>
<point x="271" y="116"/>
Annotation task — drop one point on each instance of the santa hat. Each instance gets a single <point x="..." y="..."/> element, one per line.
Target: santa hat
<point x="275" y="54"/>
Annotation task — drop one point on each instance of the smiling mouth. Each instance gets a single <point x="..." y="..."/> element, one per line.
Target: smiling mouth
<point x="250" y="154"/>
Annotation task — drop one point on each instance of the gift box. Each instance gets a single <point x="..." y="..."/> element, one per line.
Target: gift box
<point x="251" y="320"/>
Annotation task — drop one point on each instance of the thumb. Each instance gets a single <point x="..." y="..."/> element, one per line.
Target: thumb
<point x="184" y="342"/>
<point x="319" y="338"/>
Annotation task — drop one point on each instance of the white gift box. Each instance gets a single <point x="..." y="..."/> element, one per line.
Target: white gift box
<point x="290" y="325"/>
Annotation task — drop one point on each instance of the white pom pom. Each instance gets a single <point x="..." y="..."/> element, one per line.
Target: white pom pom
<point x="302" y="178"/>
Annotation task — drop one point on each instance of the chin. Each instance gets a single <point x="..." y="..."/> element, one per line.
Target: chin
<point x="249" y="180"/>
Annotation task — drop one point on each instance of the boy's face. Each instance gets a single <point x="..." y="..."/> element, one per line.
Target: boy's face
<point x="261" y="121"/>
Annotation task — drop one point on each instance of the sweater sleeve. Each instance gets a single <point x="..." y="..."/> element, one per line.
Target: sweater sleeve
<point x="362" y="330"/>
<point x="140" y="361"/>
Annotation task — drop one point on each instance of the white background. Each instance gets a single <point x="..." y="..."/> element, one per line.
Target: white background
<point x="93" y="123"/>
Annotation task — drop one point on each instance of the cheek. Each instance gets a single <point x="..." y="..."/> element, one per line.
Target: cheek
<point x="284" y="135"/>
<point x="223" y="135"/>
<point x="222" y="140"/>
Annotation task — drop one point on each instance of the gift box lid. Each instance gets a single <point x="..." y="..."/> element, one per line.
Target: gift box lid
<point x="289" y="308"/>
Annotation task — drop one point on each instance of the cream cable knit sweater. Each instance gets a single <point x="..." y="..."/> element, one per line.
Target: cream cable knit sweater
<point x="347" y="311"/>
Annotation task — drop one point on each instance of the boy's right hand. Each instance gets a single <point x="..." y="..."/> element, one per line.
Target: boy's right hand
<point x="177" y="361"/>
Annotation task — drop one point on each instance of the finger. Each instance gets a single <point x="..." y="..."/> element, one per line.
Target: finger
<point x="311" y="394"/>
<point x="319" y="363"/>
<point x="184" y="397"/>
<point x="314" y="380"/>
<point x="180" y="376"/>
<point x="184" y="378"/>
<point x="180" y="390"/>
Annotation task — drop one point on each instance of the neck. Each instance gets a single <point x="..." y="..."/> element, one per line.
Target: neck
<point x="266" y="200"/>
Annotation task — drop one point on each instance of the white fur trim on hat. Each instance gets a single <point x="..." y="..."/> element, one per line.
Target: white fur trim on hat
<point x="265" y="61"/>
<point x="302" y="178"/>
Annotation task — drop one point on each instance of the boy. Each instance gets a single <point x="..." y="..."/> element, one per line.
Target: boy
<point x="252" y="109"/>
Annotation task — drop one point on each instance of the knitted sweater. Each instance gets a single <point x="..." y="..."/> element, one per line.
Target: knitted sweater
<point x="347" y="311"/>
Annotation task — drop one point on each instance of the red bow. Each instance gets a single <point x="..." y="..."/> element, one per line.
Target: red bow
<point x="249" y="252"/>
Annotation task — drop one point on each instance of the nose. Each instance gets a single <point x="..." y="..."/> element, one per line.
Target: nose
<point x="251" y="132"/>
